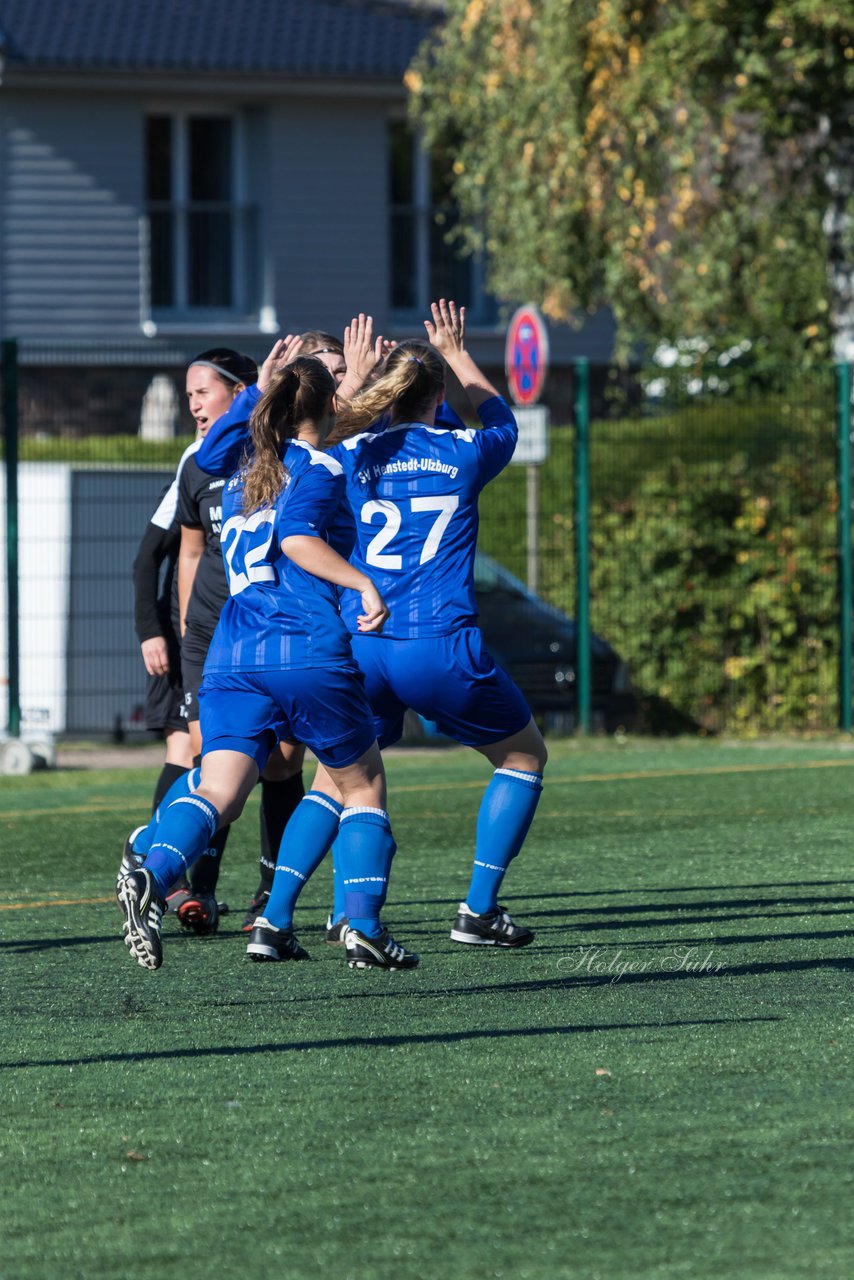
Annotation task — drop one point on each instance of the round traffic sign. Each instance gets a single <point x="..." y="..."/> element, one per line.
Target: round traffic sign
<point x="526" y="355"/>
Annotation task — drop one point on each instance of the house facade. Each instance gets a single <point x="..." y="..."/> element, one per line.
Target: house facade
<point x="194" y="173"/>
<point x="175" y="176"/>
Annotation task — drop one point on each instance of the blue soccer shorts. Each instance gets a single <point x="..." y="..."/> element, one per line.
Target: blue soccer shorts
<point x="251" y="711"/>
<point x="453" y="680"/>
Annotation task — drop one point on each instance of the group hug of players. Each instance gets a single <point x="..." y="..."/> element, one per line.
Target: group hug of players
<point x="325" y="585"/>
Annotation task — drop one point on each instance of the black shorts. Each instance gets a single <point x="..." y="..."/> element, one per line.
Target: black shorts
<point x="194" y="651"/>
<point x="163" y="703"/>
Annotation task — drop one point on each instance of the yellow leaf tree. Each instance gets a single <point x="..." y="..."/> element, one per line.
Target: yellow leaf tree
<point x="688" y="164"/>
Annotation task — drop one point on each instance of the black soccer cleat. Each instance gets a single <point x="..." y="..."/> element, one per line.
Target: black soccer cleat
<point x="255" y="909"/>
<point x="130" y="861"/>
<point x="269" y="943"/>
<point x="492" y="929"/>
<point x="198" y="913"/>
<point x="377" y="953"/>
<point x="142" y="907"/>
<point x="335" y="933"/>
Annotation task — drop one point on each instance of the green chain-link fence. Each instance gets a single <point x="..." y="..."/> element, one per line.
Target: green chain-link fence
<point x="717" y="569"/>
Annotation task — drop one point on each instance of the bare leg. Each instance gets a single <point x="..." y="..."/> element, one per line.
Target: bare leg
<point x="179" y="750"/>
<point x="360" y="783"/>
<point x="227" y="779"/>
<point x="524" y="751"/>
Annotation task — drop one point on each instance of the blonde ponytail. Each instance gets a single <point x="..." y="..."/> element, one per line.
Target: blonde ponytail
<point x="412" y="377"/>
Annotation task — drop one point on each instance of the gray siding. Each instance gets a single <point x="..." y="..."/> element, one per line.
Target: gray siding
<point x="72" y="188"/>
<point x="71" y="204"/>
<point x="328" y="212"/>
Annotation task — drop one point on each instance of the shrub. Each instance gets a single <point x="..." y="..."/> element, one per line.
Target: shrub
<point x="718" y="586"/>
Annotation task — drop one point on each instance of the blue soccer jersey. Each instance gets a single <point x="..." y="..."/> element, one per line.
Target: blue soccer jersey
<point x="279" y="615"/>
<point x="413" y="492"/>
<point x="228" y="440"/>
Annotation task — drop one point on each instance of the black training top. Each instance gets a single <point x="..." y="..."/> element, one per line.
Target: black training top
<point x="154" y="582"/>
<point x="200" y="507"/>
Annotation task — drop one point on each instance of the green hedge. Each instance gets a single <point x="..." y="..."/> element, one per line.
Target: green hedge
<point x="107" y="450"/>
<point x="718" y="586"/>
<point x="713" y="556"/>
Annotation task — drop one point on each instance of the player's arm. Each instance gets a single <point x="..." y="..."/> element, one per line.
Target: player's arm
<point x="192" y="546"/>
<point x="154" y="547"/>
<point x="227" y="440"/>
<point x="307" y="515"/>
<point x="317" y="557"/>
<point x="446" y="332"/>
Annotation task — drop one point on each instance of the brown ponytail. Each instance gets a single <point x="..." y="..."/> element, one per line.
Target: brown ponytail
<point x="299" y="393"/>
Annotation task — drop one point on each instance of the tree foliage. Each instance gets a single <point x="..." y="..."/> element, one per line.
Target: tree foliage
<point x="689" y="164"/>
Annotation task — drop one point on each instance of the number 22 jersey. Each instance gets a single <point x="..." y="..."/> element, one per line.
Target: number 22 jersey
<point x="279" y="615"/>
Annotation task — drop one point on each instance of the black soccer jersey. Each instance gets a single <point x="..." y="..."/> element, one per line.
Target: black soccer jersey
<point x="200" y="507"/>
<point x="154" y="578"/>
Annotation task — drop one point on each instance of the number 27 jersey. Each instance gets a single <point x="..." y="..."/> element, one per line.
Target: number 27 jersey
<point x="413" y="493"/>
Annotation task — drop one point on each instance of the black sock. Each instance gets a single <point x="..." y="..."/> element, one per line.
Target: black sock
<point x="168" y="774"/>
<point x="204" y="873"/>
<point x="279" y="798"/>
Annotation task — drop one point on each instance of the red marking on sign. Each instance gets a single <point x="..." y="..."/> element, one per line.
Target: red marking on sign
<point x="526" y="355"/>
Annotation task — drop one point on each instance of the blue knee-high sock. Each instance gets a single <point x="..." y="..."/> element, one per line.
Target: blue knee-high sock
<point x="184" y="832"/>
<point x="365" y="848"/>
<point x="308" y="836"/>
<point x="505" y="814"/>
<point x="338" y="911"/>
<point x="169" y="775"/>
<point x="183" y="786"/>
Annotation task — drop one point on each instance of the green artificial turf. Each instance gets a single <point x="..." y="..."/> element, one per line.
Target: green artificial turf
<point x="660" y="1086"/>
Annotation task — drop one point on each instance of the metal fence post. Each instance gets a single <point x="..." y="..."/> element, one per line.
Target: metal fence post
<point x="846" y="595"/>
<point x="9" y="358"/>
<point x="582" y="542"/>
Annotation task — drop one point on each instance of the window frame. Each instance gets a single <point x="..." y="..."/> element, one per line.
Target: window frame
<point x="246" y="309"/>
<point x="481" y="309"/>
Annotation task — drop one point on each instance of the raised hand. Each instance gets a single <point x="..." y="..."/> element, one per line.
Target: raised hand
<point x="447" y="329"/>
<point x="283" y="352"/>
<point x="361" y="353"/>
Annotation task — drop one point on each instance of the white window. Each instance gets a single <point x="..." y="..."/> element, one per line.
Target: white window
<point x="202" y="234"/>
<point x="424" y="266"/>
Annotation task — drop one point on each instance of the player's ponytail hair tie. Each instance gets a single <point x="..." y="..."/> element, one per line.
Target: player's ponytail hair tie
<point x="415" y="360"/>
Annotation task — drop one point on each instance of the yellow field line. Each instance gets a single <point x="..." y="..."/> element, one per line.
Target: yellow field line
<point x="647" y="773"/>
<point x="63" y="809"/>
<point x="57" y="902"/>
<point x="551" y="781"/>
